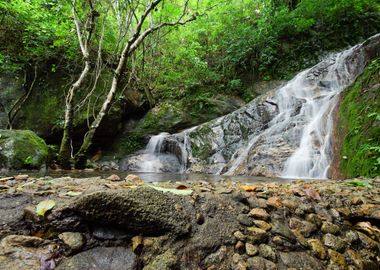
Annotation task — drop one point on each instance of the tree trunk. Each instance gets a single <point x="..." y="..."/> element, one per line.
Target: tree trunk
<point x="64" y="155"/>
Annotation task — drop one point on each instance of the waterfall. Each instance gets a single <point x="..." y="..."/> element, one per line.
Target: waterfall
<point x="286" y="132"/>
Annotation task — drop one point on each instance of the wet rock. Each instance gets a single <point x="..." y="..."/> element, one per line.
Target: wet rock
<point x="334" y="242"/>
<point x="262" y="225"/>
<point x="73" y="240"/>
<point x="260" y="263"/>
<point x="292" y="205"/>
<point x="283" y="230"/>
<point x="317" y="247"/>
<point x="114" y="177"/>
<point x="304" y="227"/>
<point x="275" y="202"/>
<point x="140" y="210"/>
<point x="267" y="252"/>
<point x="134" y="180"/>
<point x="337" y="259"/>
<point x="299" y="260"/>
<point x="214" y="258"/>
<point x="315" y="219"/>
<point x="257" y="202"/>
<point x="328" y="227"/>
<point x="240" y="236"/>
<point x="20" y="252"/>
<point x="100" y="258"/>
<point x="351" y="236"/>
<point x="367" y="242"/>
<point x="256" y="234"/>
<point x="245" y="220"/>
<point x="259" y="213"/>
<point x="251" y="250"/>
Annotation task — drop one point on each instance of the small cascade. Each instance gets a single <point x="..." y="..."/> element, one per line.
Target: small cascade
<point x="285" y="132"/>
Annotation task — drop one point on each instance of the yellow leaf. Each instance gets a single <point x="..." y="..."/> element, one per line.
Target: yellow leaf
<point x="44" y="206"/>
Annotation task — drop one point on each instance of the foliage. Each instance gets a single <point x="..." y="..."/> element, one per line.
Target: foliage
<point x="359" y="123"/>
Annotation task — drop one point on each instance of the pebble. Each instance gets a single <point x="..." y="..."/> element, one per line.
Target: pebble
<point x="259" y="213"/>
<point x="262" y="225"/>
<point x="267" y="252"/>
<point x="337" y="258"/>
<point x="304" y="227"/>
<point x="260" y="263"/>
<point x="240" y="236"/>
<point x="317" y="248"/>
<point x="328" y="227"/>
<point x="275" y="202"/>
<point x="334" y="242"/>
<point x="256" y="234"/>
<point x="251" y="250"/>
<point x="290" y="204"/>
<point x="240" y="246"/>
<point x="73" y="240"/>
<point x="245" y="220"/>
<point x="113" y="177"/>
<point x="134" y="180"/>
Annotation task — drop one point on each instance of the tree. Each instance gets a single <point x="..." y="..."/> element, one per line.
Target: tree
<point x="136" y="29"/>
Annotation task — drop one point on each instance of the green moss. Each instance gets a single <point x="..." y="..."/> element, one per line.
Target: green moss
<point x="201" y="146"/>
<point x="359" y="125"/>
<point x="129" y="144"/>
<point x="22" y="149"/>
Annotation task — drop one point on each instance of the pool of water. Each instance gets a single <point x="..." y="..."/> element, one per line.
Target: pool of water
<point x="153" y="177"/>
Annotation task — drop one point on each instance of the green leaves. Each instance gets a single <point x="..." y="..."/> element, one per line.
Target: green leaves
<point x="358" y="183"/>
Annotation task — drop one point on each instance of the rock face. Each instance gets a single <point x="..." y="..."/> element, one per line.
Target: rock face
<point x="21" y="149"/>
<point x="261" y="137"/>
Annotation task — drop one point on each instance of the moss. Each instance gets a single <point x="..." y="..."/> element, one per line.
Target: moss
<point x="359" y="125"/>
<point x="201" y="147"/>
<point x="22" y="149"/>
<point x="129" y="144"/>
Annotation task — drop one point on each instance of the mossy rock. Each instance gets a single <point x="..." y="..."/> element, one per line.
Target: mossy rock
<point x="22" y="149"/>
<point x="359" y="125"/>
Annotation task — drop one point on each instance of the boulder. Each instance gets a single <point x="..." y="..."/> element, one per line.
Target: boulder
<point x="22" y="149"/>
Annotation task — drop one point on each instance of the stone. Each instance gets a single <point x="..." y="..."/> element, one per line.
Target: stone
<point x="315" y="219"/>
<point x="275" y="202"/>
<point x="299" y="260"/>
<point x="292" y="205"/>
<point x="251" y="250"/>
<point x="236" y="258"/>
<point x="317" y="247"/>
<point x="356" y="200"/>
<point x="367" y="242"/>
<point x="134" y="180"/>
<point x="20" y="252"/>
<point x="355" y="258"/>
<point x="100" y="258"/>
<point x="376" y="214"/>
<point x="214" y="258"/>
<point x="22" y="149"/>
<point x="267" y="252"/>
<point x="328" y="227"/>
<point x="262" y="225"/>
<point x="257" y="202"/>
<point x="255" y="263"/>
<point x="256" y="234"/>
<point x="21" y="177"/>
<point x="334" y="242"/>
<point x="140" y="210"/>
<point x="304" y="227"/>
<point x="245" y="220"/>
<point x="240" y="236"/>
<point x="259" y="213"/>
<point x="337" y="258"/>
<point x="351" y="236"/>
<point x="113" y="177"/>
<point x="73" y="240"/>
<point x="283" y="230"/>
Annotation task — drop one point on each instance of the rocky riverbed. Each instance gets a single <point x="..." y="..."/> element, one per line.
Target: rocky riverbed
<point x="113" y="223"/>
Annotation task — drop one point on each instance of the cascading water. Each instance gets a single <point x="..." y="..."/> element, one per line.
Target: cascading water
<point x="285" y="132"/>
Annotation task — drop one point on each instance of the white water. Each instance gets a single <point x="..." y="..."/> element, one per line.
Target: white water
<point x="301" y="127"/>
